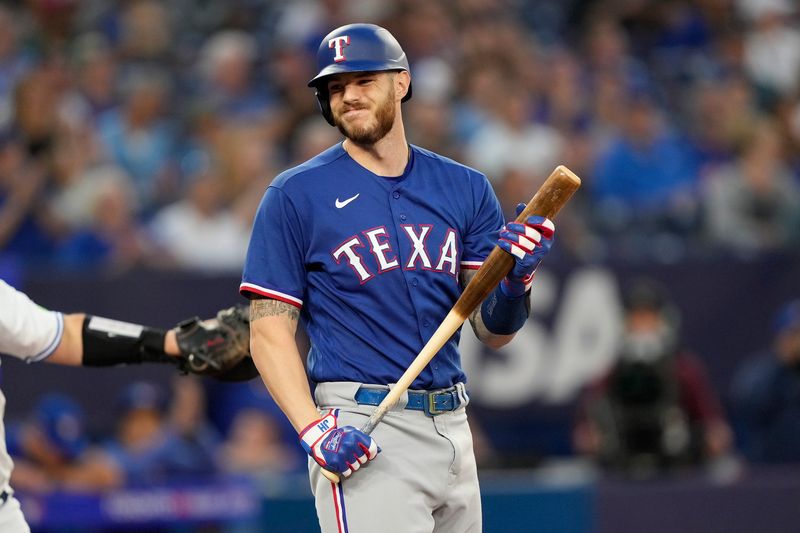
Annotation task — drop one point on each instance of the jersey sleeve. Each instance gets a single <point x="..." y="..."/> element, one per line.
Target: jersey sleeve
<point x="27" y="331"/>
<point x="487" y="219"/>
<point x="274" y="265"/>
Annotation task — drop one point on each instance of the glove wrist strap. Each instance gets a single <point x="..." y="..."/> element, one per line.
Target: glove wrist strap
<point x="313" y="432"/>
<point x="514" y="288"/>
<point x="503" y="314"/>
<point x="112" y="342"/>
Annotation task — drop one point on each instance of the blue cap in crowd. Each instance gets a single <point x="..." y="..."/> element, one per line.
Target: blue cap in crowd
<point x="141" y="395"/>
<point x="62" y="423"/>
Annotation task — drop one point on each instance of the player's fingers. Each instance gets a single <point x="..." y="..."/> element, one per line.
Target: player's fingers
<point x="371" y="451"/>
<point x="360" y="458"/>
<point x="520" y="246"/>
<point x="520" y="208"/>
<point x="544" y="225"/>
<point x="511" y="248"/>
<point x="529" y="232"/>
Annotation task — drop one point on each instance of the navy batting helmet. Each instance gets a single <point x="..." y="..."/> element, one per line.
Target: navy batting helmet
<point x="355" y="48"/>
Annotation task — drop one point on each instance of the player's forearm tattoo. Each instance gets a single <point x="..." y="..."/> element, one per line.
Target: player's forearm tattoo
<point x="269" y="307"/>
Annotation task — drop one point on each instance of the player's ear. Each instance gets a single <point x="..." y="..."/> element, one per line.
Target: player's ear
<point x="402" y="83"/>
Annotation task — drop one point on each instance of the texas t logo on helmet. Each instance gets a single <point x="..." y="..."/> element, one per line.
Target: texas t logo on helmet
<point x="357" y="48"/>
<point x="338" y="43"/>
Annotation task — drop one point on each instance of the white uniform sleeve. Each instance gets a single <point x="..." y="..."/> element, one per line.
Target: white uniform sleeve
<point x="27" y="330"/>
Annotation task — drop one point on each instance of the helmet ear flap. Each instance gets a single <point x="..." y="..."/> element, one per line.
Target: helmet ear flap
<point x="324" y="103"/>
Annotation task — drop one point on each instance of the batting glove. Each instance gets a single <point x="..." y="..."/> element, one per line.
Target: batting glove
<point x="528" y="243"/>
<point x="341" y="450"/>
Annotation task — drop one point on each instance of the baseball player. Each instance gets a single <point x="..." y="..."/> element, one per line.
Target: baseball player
<point x="34" y="334"/>
<point x="371" y="243"/>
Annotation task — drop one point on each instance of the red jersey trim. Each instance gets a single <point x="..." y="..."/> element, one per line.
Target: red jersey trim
<point x="275" y="295"/>
<point x="471" y="265"/>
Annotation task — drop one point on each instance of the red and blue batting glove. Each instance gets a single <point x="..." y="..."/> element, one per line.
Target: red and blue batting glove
<point x="528" y="243"/>
<point x="340" y="450"/>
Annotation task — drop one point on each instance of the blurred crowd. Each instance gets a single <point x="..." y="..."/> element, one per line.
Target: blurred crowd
<point x="162" y="436"/>
<point x="142" y="133"/>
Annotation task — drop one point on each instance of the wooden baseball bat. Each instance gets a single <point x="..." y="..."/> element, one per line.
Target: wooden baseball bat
<point x="554" y="193"/>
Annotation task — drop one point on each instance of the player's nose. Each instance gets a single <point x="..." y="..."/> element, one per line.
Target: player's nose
<point x="351" y="93"/>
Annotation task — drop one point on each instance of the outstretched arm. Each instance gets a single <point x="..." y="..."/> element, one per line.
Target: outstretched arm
<point x="70" y="349"/>
<point x="217" y="347"/>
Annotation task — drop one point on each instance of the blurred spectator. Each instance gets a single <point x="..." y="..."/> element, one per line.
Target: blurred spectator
<point x="287" y="69"/>
<point x="145" y="31"/>
<point x="188" y="229"/>
<point x="655" y="410"/>
<point x="110" y="237"/>
<point x="227" y="400"/>
<point x="772" y="47"/>
<point x="304" y="23"/>
<point x="54" y="21"/>
<point x="140" y="139"/>
<point x="95" y="67"/>
<point x="187" y="419"/>
<point x="429" y="119"/>
<point x="245" y="155"/>
<point x="753" y="205"/>
<point x="314" y="137"/>
<point x="512" y="141"/>
<point x="766" y="393"/>
<point x="22" y="232"/>
<point x="146" y="449"/>
<point x="226" y="64"/>
<point x="255" y="446"/>
<point x="45" y="447"/>
<point x="644" y="182"/>
<point x="724" y="112"/>
<point x="14" y="62"/>
<point x="28" y="228"/>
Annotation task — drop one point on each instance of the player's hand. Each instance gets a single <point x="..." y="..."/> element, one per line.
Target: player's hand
<point x="528" y="243"/>
<point x="340" y="450"/>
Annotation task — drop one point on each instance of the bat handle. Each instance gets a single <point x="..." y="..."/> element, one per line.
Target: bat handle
<point x="374" y="419"/>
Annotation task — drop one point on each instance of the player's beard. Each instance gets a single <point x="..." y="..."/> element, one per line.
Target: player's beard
<point x="384" y="116"/>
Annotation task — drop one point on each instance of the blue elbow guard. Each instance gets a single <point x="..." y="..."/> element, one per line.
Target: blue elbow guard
<point x="503" y="315"/>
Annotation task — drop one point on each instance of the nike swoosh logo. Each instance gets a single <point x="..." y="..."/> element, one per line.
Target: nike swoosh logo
<point x="340" y="205"/>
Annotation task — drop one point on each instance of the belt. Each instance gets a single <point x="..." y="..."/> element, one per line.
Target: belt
<point x="432" y="403"/>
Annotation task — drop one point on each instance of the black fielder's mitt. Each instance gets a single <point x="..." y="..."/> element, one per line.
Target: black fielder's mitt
<point x="218" y="348"/>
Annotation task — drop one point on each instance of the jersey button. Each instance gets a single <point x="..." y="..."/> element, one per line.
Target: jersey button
<point x="396" y="195"/>
<point x="426" y="324"/>
<point x="414" y="282"/>
<point x="403" y="217"/>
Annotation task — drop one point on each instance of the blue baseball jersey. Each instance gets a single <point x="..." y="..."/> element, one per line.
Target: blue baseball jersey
<point x="372" y="262"/>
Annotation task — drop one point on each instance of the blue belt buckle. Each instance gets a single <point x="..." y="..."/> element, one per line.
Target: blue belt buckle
<point x="429" y="404"/>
